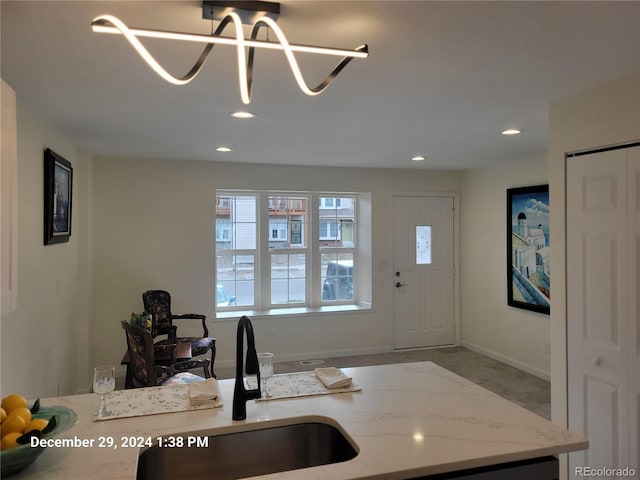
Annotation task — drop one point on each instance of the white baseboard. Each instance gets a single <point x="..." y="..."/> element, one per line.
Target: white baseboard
<point x="508" y="360"/>
<point x="294" y="357"/>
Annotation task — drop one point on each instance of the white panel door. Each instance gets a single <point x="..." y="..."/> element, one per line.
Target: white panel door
<point x="602" y="314"/>
<point x="424" y="271"/>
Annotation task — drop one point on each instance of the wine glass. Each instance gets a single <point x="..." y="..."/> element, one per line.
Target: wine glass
<point x="104" y="382"/>
<point x="265" y="361"/>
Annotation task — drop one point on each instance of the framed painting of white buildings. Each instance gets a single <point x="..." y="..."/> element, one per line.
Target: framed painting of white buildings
<point x="528" y="248"/>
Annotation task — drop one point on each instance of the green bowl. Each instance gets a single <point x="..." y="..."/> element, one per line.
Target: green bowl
<point x="18" y="458"/>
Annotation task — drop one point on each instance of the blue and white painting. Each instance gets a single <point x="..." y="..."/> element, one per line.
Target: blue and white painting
<point x="530" y="248"/>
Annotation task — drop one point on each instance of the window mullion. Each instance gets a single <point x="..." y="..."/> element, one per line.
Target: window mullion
<point x="264" y="274"/>
<point x="314" y="286"/>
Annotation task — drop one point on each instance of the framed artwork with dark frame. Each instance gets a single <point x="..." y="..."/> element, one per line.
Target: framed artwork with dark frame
<point x="528" y="248"/>
<point x="58" y="186"/>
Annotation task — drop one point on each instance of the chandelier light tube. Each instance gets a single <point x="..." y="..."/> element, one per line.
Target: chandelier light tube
<point x="113" y="25"/>
<point x="99" y="27"/>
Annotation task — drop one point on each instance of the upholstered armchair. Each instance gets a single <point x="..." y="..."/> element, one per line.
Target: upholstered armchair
<point x="158" y="304"/>
<point x="145" y="372"/>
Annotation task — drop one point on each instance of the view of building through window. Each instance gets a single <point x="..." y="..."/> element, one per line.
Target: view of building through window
<point x="275" y="250"/>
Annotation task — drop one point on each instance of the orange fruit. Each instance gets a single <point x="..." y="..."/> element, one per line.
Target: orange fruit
<point x="36" y="424"/>
<point x="13" y="423"/>
<point x="10" y="440"/>
<point x="23" y="412"/>
<point x="13" y="401"/>
<point x="3" y="414"/>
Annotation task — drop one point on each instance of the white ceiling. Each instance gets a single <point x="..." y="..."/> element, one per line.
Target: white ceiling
<point x="443" y="79"/>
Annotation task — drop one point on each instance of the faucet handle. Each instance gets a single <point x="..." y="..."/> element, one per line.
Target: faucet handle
<point x="253" y="394"/>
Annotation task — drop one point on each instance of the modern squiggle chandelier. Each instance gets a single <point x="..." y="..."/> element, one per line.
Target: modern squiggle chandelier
<point x="245" y="49"/>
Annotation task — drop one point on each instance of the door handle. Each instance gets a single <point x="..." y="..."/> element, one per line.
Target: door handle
<point x="398" y="284"/>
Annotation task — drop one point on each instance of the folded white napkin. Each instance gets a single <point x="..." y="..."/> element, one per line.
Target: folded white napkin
<point x="333" y="377"/>
<point x="205" y="392"/>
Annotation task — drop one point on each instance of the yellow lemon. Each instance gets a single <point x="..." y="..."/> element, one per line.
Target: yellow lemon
<point x="13" y="423"/>
<point x="12" y="402"/>
<point x="3" y="414"/>
<point x="36" y="424"/>
<point x="10" y="440"/>
<point x="23" y="412"/>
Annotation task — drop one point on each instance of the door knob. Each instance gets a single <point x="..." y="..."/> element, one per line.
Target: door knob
<point x="398" y="284"/>
<point x="596" y="361"/>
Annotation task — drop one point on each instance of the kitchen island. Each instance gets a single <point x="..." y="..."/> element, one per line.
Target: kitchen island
<point x="409" y="420"/>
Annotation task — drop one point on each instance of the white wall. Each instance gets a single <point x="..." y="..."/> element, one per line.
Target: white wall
<point x="153" y="227"/>
<point x="45" y="341"/>
<point x="136" y="200"/>
<point x="488" y="325"/>
<point x="606" y="115"/>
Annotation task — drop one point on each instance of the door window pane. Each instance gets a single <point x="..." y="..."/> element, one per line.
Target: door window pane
<point x="423" y="245"/>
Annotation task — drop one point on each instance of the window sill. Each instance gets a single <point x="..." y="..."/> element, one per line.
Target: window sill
<point x="233" y="315"/>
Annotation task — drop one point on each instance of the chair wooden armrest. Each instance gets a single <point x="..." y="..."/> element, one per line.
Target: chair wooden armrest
<point x="194" y="316"/>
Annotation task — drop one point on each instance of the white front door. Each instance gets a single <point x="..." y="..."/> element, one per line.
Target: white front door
<point x="603" y="244"/>
<point x="424" y="271"/>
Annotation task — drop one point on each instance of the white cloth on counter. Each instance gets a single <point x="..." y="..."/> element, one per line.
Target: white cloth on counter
<point x="333" y="377"/>
<point x="205" y="392"/>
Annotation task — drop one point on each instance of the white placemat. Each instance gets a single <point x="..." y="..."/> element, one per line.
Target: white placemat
<point x="137" y="402"/>
<point x="301" y="384"/>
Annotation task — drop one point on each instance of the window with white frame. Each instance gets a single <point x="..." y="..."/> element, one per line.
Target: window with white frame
<point x="329" y="230"/>
<point x="285" y="250"/>
<point x="236" y="258"/>
<point x="330" y="202"/>
<point x="337" y="219"/>
<point x="223" y="230"/>
<point x="277" y="231"/>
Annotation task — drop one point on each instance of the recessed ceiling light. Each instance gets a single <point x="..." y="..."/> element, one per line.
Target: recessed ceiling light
<point x="223" y="149"/>
<point x="418" y="158"/>
<point x="511" y="131"/>
<point x="242" y="114"/>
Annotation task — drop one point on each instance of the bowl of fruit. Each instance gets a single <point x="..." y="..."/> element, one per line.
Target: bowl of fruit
<point x="20" y="423"/>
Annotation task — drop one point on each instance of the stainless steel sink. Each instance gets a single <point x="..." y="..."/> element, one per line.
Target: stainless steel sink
<point x="269" y="449"/>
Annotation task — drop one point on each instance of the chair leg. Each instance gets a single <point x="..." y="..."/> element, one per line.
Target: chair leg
<point x="206" y="368"/>
<point x="213" y="359"/>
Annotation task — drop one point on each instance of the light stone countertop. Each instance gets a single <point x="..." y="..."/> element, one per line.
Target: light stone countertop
<point x="409" y="419"/>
